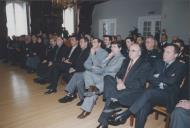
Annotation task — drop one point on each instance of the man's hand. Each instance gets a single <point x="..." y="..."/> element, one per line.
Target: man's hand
<point x="71" y="70"/>
<point x="110" y="55"/>
<point x="67" y="61"/>
<point x="184" y="104"/>
<point x="120" y="85"/>
<point x="50" y="64"/>
<point x="44" y="61"/>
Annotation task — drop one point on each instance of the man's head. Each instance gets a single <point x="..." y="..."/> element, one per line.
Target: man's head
<point x="150" y="43"/>
<point x="74" y="41"/>
<point x="107" y="40"/>
<point x="171" y="51"/>
<point x="52" y="41"/>
<point x="140" y="40"/>
<point x="164" y="37"/>
<point x="84" y="42"/>
<point x="59" y="41"/>
<point x="134" y="51"/>
<point x="115" y="47"/>
<point x="129" y="41"/>
<point x="96" y="43"/>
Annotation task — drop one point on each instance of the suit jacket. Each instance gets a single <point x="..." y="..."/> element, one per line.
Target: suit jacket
<point x="83" y="55"/>
<point x="171" y="79"/>
<point x="50" y="53"/>
<point x="95" y="60"/>
<point x="152" y="56"/>
<point x="59" y="54"/>
<point x="137" y="75"/>
<point x="112" y="66"/>
<point x="74" y="55"/>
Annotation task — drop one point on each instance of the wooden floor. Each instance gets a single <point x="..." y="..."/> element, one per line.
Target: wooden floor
<point x="23" y="105"/>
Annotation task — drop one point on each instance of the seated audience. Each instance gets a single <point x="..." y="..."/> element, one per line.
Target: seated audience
<point x="44" y="67"/>
<point x="68" y="61"/>
<point x="127" y="85"/>
<point x="165" y="80"/>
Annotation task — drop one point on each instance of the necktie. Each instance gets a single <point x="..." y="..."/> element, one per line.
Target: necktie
<point x="56" y="53"/>
<point x="109" y="60"/>
<point x="165" y="66"/>
<point x="128" y="69"/>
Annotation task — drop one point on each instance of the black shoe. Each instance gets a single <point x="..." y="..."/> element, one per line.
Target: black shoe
<point x="50" y="91"/>
<point x="102" y="126"/>
<point x="67" y="98"/>
<point x="114" y="104"/>
<point x="118" y="119"/>
<point x="83" y="115"/>
<point x="80" y="103"/>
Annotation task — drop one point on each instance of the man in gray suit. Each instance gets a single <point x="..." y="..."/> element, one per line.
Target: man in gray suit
<point x="97" y="67"/>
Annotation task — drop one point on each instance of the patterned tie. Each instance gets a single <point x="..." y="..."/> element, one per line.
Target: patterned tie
<point x="128" y="69"/>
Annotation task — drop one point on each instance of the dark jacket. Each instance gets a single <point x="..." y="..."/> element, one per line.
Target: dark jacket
<point x="137" y="75"/>
<point x="171" y="77"/>
<point x="79" y="67"/>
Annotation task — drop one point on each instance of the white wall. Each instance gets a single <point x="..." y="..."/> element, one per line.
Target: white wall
<point x="126" y="12"/>
<point x="176" y="18"/>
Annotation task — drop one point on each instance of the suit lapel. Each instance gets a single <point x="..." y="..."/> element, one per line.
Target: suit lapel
<point x="134" y="67"/>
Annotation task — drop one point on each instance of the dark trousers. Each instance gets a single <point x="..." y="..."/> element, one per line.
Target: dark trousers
<point x="143" y="106"/>
<point x="43" y="71"/>
<point x="125" y="97"/>
<point x="56" y="71"/>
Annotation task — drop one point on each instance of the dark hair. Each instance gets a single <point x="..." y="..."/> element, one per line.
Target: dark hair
<point x="85" y="39"/>
<point x="180" y="41"/>
<point x="130" y="38"/>
<point x="74" y="36"/>
<point x="119" y="44"/>
<point x="150" y="36"/>
<point x="139" y="36"/>
<point x="110" y="37"/>
<point x="99" y="41"/>
<point x="176" y="48"/>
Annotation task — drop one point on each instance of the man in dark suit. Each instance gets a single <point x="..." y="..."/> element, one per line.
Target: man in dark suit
<point x="76" y="83"/>
<point x="68" y="61"/>
<point x="165" y="80"/>
<point x="46" y="63"/>
<point x="128" y="84"/>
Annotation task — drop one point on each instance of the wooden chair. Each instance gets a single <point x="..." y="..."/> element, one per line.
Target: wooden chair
<point x="162" y="110"/>
<point x="159" y="110"/>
